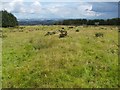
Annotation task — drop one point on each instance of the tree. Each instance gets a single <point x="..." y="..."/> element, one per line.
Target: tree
<point x="8" y="19"/>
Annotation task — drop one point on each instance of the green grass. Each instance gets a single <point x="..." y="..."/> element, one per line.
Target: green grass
<point x="80" y="60"/>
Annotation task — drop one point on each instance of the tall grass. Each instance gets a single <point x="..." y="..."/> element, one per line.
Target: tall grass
<point x="80" y="60"/>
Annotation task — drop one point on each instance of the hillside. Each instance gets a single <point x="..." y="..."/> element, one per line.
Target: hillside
<point x="86" y="58"/>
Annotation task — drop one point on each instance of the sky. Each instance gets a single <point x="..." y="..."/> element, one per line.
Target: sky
<point x="67" y="9"/>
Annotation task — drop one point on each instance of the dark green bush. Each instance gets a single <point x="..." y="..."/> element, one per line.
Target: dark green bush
<point x="99" y="34"/>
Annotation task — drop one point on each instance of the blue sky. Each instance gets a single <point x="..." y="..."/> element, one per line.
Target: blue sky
<point x="26" y="9"/>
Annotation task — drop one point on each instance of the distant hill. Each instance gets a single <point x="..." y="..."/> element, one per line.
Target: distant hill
<point x="37" y="22"/>
<point x="114" y="21"/>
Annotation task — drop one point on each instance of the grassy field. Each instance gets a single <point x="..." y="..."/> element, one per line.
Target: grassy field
<point x="79" y="60"/>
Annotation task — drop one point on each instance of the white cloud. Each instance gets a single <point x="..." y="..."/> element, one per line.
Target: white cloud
<point x="35" y="7"/>
<point x="14" y="6"/>
<point x="80" y="10"/>
<point x="19" y="6"/>
<point x="86" y="9"/>
<point x="58" y="9"/>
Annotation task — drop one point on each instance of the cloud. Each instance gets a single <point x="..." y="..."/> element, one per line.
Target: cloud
<point x="66" y="0"/>
<point x="14" y="6"/>
<point x="58" y="9"/>
<point x="19" y="6"/>
<point x="72" y="10"/>
<point x="35" y="7"/>
<point x="86" y="9"/>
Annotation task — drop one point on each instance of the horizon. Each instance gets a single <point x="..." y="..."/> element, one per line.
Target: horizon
<point x="43" y="19"/>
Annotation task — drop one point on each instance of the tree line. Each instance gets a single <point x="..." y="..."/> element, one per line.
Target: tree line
<point x="9" y="20"/>
<point x="114" y="21"/>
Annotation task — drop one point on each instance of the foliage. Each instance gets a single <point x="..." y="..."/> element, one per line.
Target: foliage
<point x="114" y="21"/>
<point x="8" y="19"/>
<point x="99" y="34"/>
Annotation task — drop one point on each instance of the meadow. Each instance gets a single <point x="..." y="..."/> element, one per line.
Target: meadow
<point x="79" y="60"/>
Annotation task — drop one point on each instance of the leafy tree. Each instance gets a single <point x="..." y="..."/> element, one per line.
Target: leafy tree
<point x="8" y="19"/>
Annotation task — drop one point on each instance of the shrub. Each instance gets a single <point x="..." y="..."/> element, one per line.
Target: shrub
<point x="99" y="34"/>
<point x="63" y="34"/>
<point x="77" y="30"/>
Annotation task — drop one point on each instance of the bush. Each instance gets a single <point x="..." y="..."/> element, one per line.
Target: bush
<point x="99" y="34"/>
<point x="77" y="30"/>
